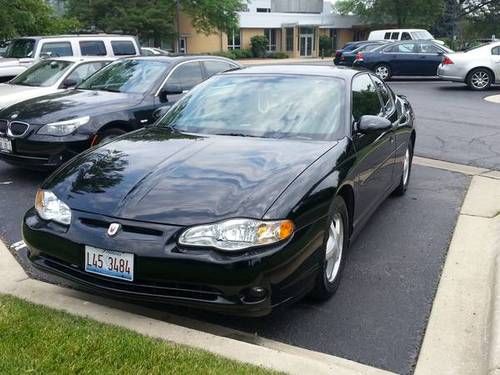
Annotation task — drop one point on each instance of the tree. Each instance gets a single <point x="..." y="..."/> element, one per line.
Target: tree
<point x="31" y="17"/>
<point x="154" y="18"/>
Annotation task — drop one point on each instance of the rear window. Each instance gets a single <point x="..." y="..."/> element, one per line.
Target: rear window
<point x="123" y="48"/>
<point x="93" y="48"/>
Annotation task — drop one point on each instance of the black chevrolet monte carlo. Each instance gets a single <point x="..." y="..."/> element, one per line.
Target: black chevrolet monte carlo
<point x="243" y="197"/>
<point x="127" y="95"/>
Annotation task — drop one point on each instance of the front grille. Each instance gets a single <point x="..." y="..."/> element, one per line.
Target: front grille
<point x="18" y="129"/>
<point x="125" y="228"/>
<point x="3" y="126"/>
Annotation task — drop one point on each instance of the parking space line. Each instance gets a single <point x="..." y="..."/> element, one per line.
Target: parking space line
<point x="453" y="167"/>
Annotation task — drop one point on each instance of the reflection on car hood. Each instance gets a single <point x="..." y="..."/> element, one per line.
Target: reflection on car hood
<point x="158" y="176"/>
<point x="12" y="94"/>
<point x="68" y="104"/>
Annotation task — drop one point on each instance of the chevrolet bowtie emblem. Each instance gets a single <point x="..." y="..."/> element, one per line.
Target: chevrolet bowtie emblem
<point x="113" y="229"/>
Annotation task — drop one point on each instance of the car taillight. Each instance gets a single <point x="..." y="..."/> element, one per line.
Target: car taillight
<point x="447" y="61"/>
<point x="360" y="56"/>
<point x="338" y="53"/>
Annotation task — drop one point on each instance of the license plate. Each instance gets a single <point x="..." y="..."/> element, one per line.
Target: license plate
<point x="109" y="263"/>
<point x="5" y="145"/>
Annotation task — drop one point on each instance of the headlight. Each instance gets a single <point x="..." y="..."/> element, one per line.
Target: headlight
<point x="62" y="128"/>
<point x="237" y="234"/>
<point x="49" y="207"/>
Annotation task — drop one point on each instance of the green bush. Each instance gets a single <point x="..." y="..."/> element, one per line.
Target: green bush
<point x="259" y="45"/>
<point x="235" y="54"/>
<point x="277" y="55"/>
<point x="325" y="46"/>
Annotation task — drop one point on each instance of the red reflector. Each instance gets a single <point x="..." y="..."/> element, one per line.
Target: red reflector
<point x="447" y="61"/>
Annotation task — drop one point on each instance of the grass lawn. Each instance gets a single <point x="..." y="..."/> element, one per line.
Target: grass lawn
<point x="39" y="340"/>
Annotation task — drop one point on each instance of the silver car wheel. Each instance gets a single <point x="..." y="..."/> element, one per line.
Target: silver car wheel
<point x="480" y="79"/>
<point x="382" y="72"/>
<point x="334" y="247"/>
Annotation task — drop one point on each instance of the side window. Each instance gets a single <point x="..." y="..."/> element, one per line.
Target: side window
<point x="365" y="99"/>
<point x="403" y="48"/>
<point x="93" y="48"/>
<point x="387" y="36"/>
<point x="123" y="48"/>
<point x="214" y="67"/>
<point x="496" y="51"/>
<point x="84" y="71"/>
<point x="406" y="36"/>
<point x="57" y="49"/>
<point x="186" y="75"/>
<point x="395" y="36"/>
<point x="385" y="94"/>
<point x="429" y="48"/>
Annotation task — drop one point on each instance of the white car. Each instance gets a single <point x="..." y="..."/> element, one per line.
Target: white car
<point x="396" y="35"/>
<point x="479" y="67"/>
<point x="49" y="76"/>
<point x="24" y="52"/>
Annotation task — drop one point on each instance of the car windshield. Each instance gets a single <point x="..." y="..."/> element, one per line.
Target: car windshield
<point x="283" y="106"/>
<point x="128" y="76"/>
<point x="45" y="73"/>
<point x="20" y="48"/>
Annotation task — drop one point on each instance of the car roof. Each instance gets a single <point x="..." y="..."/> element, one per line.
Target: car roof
<point x="76" y="36"/>
<point x="82" y="59"/>
<point x="175" y="59"/>
<point x="345" y="73"/>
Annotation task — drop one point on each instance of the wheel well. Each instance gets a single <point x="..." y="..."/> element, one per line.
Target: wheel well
<point x="481" y="67"/>
<point x="117" y="125"/>
<point x="347" y="193"/>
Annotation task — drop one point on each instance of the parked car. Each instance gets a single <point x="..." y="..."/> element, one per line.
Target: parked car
<point x="400" y="34"/>
<point x="3" y="48"/>
<point x="419" y="58"/>
<point x="244" y="197"/>
<point x="350" y="46"/>
<point x="150" y="51"/>
<point x="24" y="52"/>
<point x="347" y="57"/>
<point x="49" y="130"/>
<point x="479" y="67"/>
<point x="49" y="76"/>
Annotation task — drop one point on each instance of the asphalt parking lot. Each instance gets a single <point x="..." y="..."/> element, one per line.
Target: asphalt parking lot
<point x="379" y="315"/>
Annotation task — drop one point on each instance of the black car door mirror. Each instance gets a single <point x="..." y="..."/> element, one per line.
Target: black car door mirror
<point x="370" y="124"/>
<point x="69" y="83"/>
<point x="158" y="113"/>
<point x="170" y="89"/>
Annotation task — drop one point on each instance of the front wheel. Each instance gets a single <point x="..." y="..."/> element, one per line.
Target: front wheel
<point x="109" y="134"/>
<point x="479" y="79"/>
<point x="405" y="176"/>
<point x="383" y="71"/>
<point x="335" y="248"/>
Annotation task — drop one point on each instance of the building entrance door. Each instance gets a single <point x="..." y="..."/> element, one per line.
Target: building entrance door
<point x="306" y="45"/>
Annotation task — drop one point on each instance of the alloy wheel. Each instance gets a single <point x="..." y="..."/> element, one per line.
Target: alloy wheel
<point x="480" y="79"/>
<point x="334" y="247"/>
<point x="382" y="72"/>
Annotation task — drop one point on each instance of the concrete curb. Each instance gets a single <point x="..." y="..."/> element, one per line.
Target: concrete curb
<point x="270" y="354"/>
<point x="493" y="99"/>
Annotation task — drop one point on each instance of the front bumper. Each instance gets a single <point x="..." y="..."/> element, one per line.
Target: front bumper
<point x="165" y="273"/>
<point x="44" y="154"/>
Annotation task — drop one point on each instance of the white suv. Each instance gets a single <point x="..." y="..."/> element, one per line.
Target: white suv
<point x="23" y="52"/>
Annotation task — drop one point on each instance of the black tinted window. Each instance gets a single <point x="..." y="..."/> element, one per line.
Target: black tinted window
<point x="365" y="99"/>
<point x="186" y="76"/>
<point x="403" y="48"/>
<point x="57" y="49"/>
<point x="387" y="36"/>
<point x="123" y="48"/>
<point x="214" y="67"/>
<point x="93" y="48"/>
<point x="406" y="36"/>
<point x="385" y="94"/>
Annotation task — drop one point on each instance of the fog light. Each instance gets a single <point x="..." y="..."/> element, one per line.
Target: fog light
<point x="254" y="294"/>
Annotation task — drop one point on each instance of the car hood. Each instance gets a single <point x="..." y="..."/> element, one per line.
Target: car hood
<point x="11" y="94"/>
<point x="159" y="176"/>
<point x="68" y="104"/>
<point x="7" y="61"/>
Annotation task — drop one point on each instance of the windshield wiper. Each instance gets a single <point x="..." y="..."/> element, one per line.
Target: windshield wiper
<point x="238" y="135"/>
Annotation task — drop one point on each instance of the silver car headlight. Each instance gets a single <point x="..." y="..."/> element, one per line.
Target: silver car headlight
<point x="62" y="128"/>
<point x="237" y="234"/>
<point x="49" y="207"/>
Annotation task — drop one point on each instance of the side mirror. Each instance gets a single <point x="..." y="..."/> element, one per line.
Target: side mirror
<point x="69" y="83"/>
<point x="370" y="124"/>
<point x="170" y="89"/>
<point x="158" y="113"/>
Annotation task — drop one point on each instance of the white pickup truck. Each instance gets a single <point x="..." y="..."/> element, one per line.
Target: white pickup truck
<point x="24" y="52"/>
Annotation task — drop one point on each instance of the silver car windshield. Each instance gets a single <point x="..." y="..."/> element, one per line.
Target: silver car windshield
<point x="128" y="76"/>
<point x="277" y="106"/>
<point x="43" y="74"/>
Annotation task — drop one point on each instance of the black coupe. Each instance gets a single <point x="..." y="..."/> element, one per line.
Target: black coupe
<point x="244" y="196"/>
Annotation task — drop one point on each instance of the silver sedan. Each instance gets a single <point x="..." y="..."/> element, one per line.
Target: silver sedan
<point x="479" y="68"/>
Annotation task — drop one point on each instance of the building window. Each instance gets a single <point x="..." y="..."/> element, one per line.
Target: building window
<point x="271" y="36"/>
<point x="289" y="39"/>
<point x="234" y="39"/>
<point x="333" y="36"/>
<point x="263" y="10"/>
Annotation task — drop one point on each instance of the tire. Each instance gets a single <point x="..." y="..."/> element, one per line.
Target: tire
<point x="480" y="79"/>
<point x="383" y="71"/>
<point x="109" y="134"/>
<point x="328" y="279"/>
<point x="406" y="174"/>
